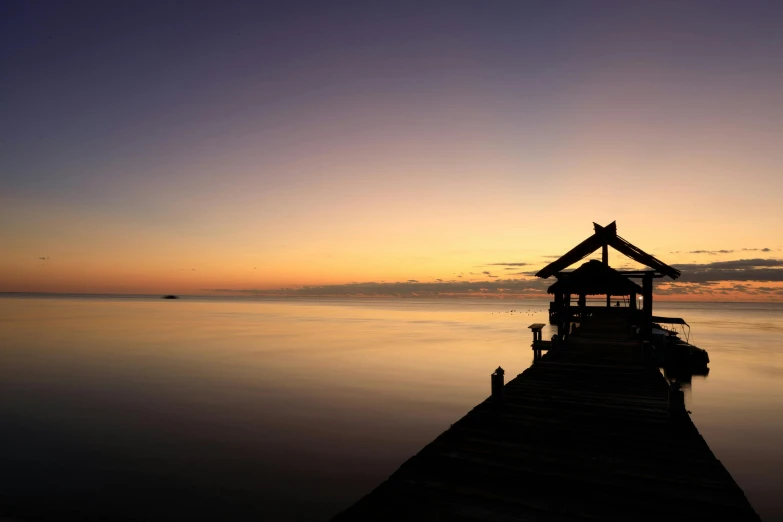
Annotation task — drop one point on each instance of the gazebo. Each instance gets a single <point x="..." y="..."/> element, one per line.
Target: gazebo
<point x="592" y="278"/>
<point x="595" y="278"/>
<point x="598" y="278"/>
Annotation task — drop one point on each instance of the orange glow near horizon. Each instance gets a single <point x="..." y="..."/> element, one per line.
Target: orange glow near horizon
<point x="420" y="156"/>
<point x="83" y="256"/>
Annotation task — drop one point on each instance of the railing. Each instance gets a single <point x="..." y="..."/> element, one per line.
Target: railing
<point x="576" y="312"/>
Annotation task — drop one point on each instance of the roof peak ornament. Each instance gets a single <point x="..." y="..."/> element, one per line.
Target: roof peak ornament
<point x="604" y="237"/>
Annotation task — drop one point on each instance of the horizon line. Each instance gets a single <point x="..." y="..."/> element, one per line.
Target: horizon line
<point x="484" y="297"/>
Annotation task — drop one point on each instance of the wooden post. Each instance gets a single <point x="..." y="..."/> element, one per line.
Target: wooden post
<point x="676" y="399"/>
<point x="605" y="259"/>
<point x="647" y="295"/>
<point x="632" y="303"/>
<point x="647" y="350"/>
<point x="498" y="381"/>
<point x="560" y="314"/>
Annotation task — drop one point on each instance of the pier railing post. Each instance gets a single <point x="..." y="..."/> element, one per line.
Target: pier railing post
<point x="647" y="351"/>
<point x="676" y="399"/>
<point x="498" y="381"/>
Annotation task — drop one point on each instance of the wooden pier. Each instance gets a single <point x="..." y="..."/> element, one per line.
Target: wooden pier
<point x="591" y="431"/>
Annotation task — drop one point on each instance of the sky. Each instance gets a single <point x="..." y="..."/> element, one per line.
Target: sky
<point x="386" y="148"/>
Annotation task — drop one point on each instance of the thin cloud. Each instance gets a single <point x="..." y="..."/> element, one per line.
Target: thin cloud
<point x="495" y="288"/>
<point x="736" y="270"/>
<point x="710" y="252"/>
<point x="722" y="251"/>
<point x="750" y="274"/>
<point x="716" y="279"/>
<point x="734" y="264"/>
<point x="507" y="264"/>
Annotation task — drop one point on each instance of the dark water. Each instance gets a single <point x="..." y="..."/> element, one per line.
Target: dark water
<point x="221" y="409"/>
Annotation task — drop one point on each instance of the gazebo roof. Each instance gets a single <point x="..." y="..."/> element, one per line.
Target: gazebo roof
<point x="593" y="278"/>
<point x="607" y="236"/>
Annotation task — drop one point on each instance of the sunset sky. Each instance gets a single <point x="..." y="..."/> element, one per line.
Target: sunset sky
<point x="162" y="147"/>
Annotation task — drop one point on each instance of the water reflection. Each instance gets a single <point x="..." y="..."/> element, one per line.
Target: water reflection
<point x="230" y="409"/>
<point x="737" y="408"/>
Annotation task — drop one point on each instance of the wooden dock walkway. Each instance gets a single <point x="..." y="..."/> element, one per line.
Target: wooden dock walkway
<point x="586" y="433"/>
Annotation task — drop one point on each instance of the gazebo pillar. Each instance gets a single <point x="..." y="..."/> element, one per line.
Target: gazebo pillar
<point x="564" y="325"/>
<point x="647" y="305"/>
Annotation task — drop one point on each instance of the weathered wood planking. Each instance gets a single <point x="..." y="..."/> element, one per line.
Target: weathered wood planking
<point x="584" y="434"/>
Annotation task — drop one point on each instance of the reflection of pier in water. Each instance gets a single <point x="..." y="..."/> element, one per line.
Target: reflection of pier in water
<point x="591" y="431"/>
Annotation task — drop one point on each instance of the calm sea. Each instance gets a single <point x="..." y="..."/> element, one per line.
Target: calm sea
<point x="139" y="408"/>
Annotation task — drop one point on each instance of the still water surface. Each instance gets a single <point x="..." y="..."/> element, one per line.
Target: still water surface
<point x="237" y="409"/>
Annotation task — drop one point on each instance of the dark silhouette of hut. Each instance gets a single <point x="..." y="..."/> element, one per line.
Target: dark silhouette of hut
<point x="593" y="278"/>
<point x="597" y="278"/>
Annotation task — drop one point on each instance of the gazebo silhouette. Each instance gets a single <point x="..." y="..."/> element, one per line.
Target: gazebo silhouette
<point x="598" y="278"/>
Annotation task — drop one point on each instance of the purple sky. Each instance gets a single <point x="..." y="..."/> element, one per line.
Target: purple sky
<point x="413" y="129"/>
